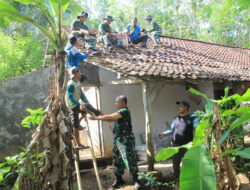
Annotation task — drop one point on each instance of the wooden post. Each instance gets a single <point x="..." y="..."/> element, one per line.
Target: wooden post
<point x="148" y="115"/>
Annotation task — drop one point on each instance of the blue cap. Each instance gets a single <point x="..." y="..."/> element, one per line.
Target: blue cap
<point x="184" y="102"/>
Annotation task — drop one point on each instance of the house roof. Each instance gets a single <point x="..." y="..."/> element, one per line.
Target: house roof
<point x="178" y="59"/>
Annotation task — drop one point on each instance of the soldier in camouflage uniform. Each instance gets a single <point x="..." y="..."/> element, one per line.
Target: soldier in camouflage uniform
<point x="155" y="30"/>
<point x="124" y="142"/>
<point x="106" y="35"/>
<point x="81" y="30"/>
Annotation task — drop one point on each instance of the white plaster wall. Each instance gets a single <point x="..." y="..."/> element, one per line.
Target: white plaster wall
<point x="163" y="109"/>
<point x="206" y="87"/>
<point x="93" y="125"/>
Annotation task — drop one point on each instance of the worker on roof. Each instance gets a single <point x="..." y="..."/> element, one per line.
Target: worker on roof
<point x="106" y="35"/>
<point x="74" y="56"/>
<point x="82" y="31"/>
<point x="134" y="34"/>
<point x="155" y="30"/>
<point x="123" y="142"/>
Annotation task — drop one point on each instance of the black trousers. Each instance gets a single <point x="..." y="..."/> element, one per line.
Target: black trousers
<point x="74" y="114"/>
<point x="143" y="39"/>
<point x="177" y="158"/>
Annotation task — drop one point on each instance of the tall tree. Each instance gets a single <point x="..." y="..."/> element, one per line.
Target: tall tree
<point x="53" y="136"/>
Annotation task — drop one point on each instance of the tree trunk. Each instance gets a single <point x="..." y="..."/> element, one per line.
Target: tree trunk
<point x="226" y="174"/>
<point x="53" y="137"/>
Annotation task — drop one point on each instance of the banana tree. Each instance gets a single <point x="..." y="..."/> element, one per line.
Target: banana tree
<point x="53" y="135"/>
<point x="209" y="153"/>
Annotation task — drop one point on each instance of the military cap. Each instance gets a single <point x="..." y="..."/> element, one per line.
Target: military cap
<point x="82" y="14"/>
<point x="109" y="18"/>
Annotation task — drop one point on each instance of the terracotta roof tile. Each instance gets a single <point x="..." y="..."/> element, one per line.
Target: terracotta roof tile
<point x="178" y="58"/>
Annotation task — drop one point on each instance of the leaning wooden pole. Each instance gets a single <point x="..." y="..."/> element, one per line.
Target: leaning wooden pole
<point x="93" y="156"/>
<point x="78" y="176"/>
<point x="148" y="115"/>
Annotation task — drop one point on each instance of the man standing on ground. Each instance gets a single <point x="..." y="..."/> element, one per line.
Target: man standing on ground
<point x="81" y="31"/>
<point x="124" y="142"/>
<point x="155" y="30"/>
<point x="106" y="35"/>
<point x="134" y="34"/>
<point x="74" y="56"/>
<point x="182" y="129"/>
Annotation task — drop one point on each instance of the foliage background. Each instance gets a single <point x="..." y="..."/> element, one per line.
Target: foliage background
<point x="225" y="22"/>
<point x="19" y="54"/>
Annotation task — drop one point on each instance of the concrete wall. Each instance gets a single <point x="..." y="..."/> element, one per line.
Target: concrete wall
<point x="163" y="108"/>
<point x="28" y="91"/>
<point x="16" y="95"/>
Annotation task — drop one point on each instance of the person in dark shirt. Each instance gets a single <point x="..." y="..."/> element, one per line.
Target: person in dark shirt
<point x="124" y="141"/>
<point x="182" y="129"/>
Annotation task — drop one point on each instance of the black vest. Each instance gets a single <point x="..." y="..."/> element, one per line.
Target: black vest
<point x="183" y="132"/>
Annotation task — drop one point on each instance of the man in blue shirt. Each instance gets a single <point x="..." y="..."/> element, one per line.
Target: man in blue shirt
<point x="134" y="34"/>
<point x="74" y="54"/>
<point x="182" y="129"/>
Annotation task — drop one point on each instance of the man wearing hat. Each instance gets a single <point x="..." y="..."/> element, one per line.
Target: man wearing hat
<point x="182" y="129"/>
<point x="106" y="35"/>
<point x="81" y="30"/>
<point x="154" y="30"/>
<point x="73" y="96"/>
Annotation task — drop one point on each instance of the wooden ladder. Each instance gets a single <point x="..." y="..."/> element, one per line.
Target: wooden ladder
<point x="76" y="150"/>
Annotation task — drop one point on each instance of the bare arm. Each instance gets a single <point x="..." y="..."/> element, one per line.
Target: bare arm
<point x="110" y="118"/>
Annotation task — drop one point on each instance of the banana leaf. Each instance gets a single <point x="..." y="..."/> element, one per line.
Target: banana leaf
<point x="197" y="171"/>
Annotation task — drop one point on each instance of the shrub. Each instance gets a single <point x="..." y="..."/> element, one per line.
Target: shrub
<point x="19" y="55"/>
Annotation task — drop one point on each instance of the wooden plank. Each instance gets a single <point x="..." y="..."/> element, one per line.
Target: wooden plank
<point x="148" y="116"/>
<point x="125" y="81"/>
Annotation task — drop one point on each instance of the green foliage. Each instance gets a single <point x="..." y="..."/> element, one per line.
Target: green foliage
<point x="34" y="119"/>
<point x="19" y="55"/>
<point x="14" y="166"/>
<point x="26" y="162"/>
<point x="167" y="153"/>
<point x="197" y="171"/>
<point x="56" y="8"/>
<point x="152" y="182"/>
<point x="218" y="21"/>
<point x="197" y="161"/>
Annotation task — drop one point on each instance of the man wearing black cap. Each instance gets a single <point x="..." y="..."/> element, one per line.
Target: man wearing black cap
<point x="182" y="128"/>
<point x="81" y="30"/>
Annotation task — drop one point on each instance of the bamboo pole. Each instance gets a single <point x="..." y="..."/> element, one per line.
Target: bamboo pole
<point x="93" y="156"/>
<point x="78" y="176"/>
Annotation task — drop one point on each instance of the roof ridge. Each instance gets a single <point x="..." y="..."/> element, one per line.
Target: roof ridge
<point x="165" y="36"/>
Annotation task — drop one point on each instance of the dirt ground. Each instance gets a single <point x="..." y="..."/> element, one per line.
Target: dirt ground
<point x="89" y="181"/>
<point x="107" y="177"/>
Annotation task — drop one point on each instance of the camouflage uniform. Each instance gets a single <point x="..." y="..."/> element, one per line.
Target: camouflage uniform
<point x="104" y="32"/>
<point x="124" y="142"/>
<point x="155" y="30"/>
<point x="77" y="25"/>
